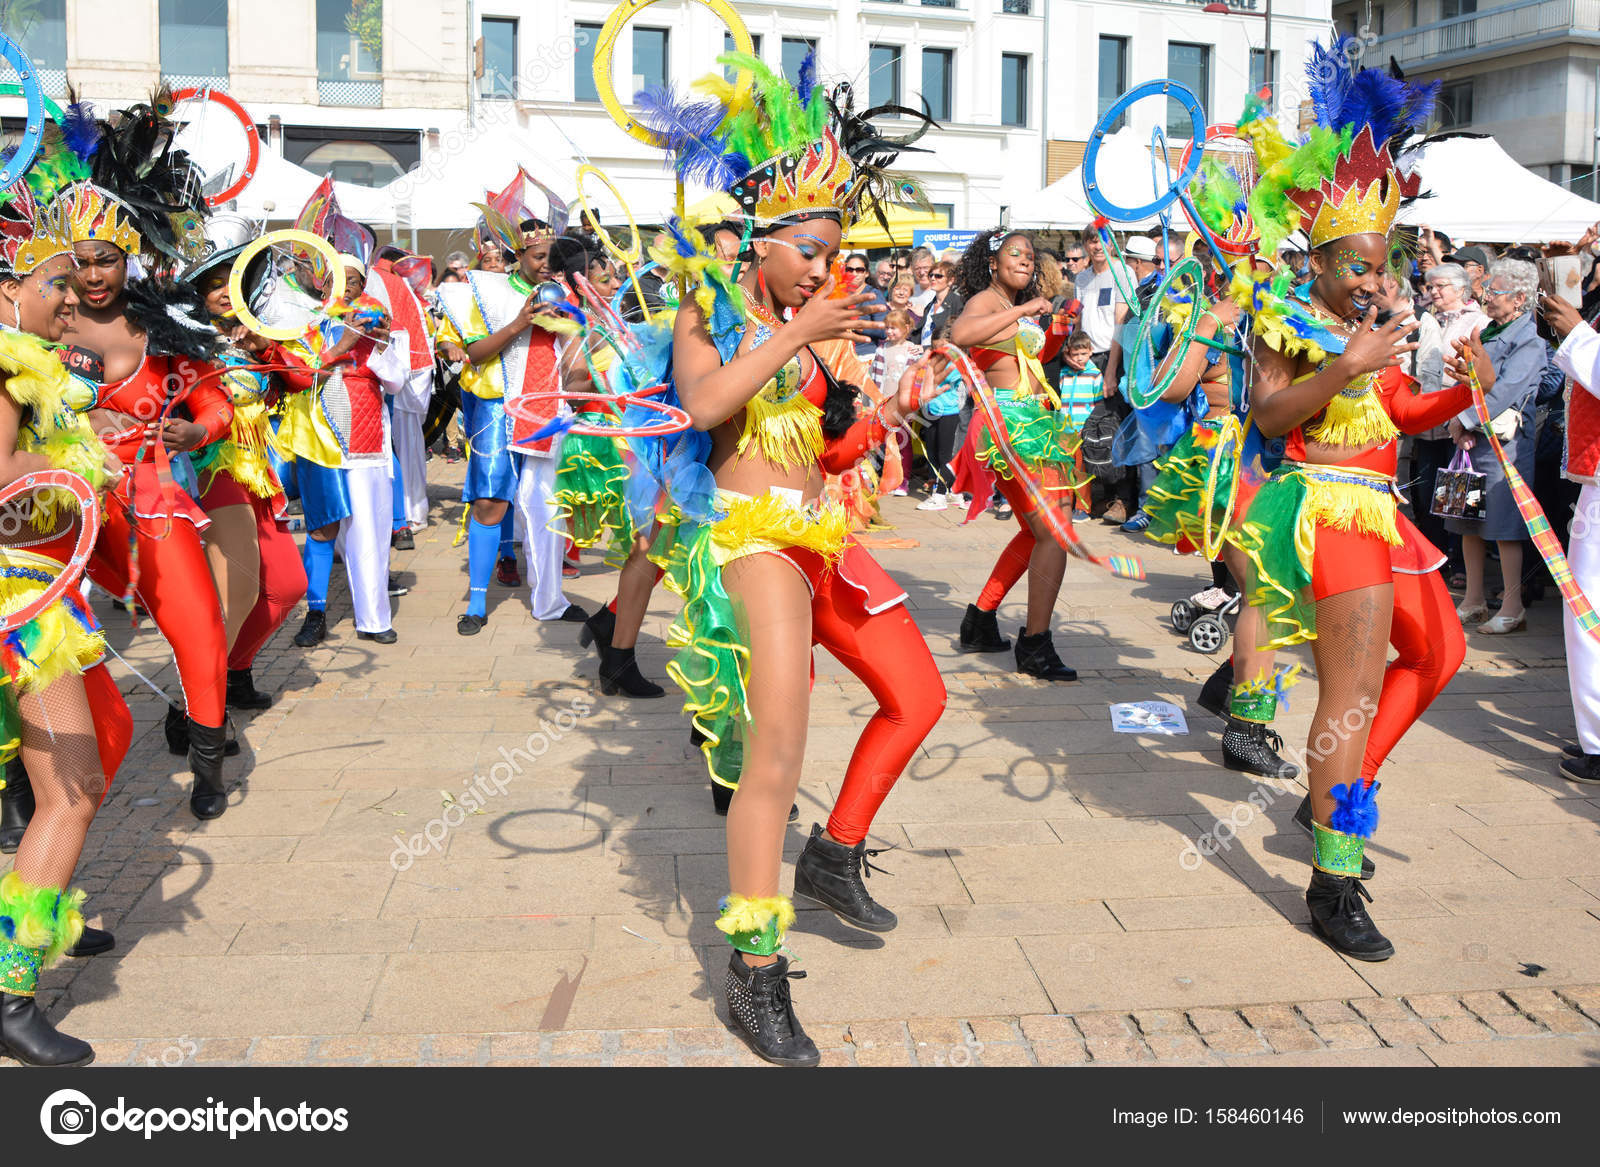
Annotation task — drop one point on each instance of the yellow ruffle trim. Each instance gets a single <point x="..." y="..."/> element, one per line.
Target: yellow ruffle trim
<point x="788" y="434"/>
<point x="1350" y="506"/>
<point x="1354" y="422"/>
<point x="55" y="641"/>
<point x="769" y="522"/>
<point x="244" y="453"/>
<point x="755" y="913"/>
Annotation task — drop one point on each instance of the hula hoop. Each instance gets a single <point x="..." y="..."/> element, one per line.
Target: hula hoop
<point x="1241" y="237"/>
<point x="1091" y="156"/>
<point x="632" y="255"/>
<point x="1231" y="429"/>
<point x="605" y="47"/>
<point x="33" y="135"/>
<point x="1187" y="266"/>
<point x="241" y="307"/>
<point x="675" y="420"/>
<point x="72" y="571"/>
<point x="252" y="138"/>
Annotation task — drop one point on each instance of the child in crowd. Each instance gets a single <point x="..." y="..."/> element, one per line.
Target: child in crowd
<point x="1080" y="387"/>
<point x="940" y="418"/>
<point x="894" y="356"/>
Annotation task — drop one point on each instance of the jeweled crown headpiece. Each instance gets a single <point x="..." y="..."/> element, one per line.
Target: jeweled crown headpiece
<point x="1342" y="179"/>
<point x="786" y="153"/>
<point x="95" y="214"/>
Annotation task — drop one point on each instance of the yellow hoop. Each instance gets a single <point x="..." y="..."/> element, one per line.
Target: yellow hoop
<point x="241" y="307"/>
<point x="1234" y="432"/>
<point x="606" y="46"/>
<point x="627" y="258"/>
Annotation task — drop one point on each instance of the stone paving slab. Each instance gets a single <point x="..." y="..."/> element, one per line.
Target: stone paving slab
<point x="1052" y="911"/>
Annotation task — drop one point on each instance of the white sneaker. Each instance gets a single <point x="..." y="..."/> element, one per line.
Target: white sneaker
<point x="934" y="502"/>
<point x="1211" y="599"/>
<point x="900" y="492"/>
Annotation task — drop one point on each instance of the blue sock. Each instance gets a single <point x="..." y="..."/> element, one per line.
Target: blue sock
<point x="399" y="493"/>
<point x="483" y="540"/>
<point x="318" y="558"/>
<point x="508" y="535"/>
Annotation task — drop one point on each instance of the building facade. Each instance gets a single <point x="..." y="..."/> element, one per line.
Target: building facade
<point x="1524" y="71"/>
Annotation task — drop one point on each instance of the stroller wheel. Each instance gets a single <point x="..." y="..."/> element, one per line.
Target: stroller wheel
<point x="1208" y="634"/>
<point x="1183" y="614"/>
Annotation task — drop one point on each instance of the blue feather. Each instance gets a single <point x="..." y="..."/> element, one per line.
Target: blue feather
<point x="1341" y="96"/>
<point x="688" y="130"/>
<point x="80" y="130"/>
<point x="557" y="425"/>
<point x="807" y="80"/>
<point x="1356" y="809"/>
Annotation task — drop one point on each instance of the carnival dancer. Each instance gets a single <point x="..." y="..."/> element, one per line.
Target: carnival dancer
<point x="257" y="567"/>
<point x="1000" y="325"/>
<point x="344" y="367"/>
<point x="1332" y="561"/>
<point x="499" y="324"/>
<point x="775" y="573"/>
<point x="144" y="342"/>
<point x="390" y="286"/>
<point x="1579" y="358"/>
<point x="1188" y="507"/>
<point x="59" y="704"/>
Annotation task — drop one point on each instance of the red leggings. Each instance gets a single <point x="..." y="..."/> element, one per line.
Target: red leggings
<point x="113" y="724"/>
<point x="175" y="587"/>
<point x="1427" y="635"/>
<point x="1013" y="561"/>
<point x="887" y="653"/>
<point x="283" y="585"/>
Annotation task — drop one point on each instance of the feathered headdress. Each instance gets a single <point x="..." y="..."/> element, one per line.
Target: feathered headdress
<point x="159" y="190"/>
<point x="1342" y="180"/>
<point x="36" y="221"/>
<point x="785" y="152"/>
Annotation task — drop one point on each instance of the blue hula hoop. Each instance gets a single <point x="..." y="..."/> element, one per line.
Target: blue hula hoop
<point x="33" y="136"/>
<point x="1091" y="187"/>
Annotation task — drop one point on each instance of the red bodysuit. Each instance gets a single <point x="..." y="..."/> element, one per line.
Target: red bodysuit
<point x="150" y="536"/>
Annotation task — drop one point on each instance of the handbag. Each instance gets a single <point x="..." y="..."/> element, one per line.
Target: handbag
<point x="1459" y="491"/>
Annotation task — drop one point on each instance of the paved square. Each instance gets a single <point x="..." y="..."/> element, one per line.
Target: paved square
<point x="1052" y="911"/>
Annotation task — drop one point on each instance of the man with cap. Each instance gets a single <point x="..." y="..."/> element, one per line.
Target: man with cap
<point x="1476" y="262"/>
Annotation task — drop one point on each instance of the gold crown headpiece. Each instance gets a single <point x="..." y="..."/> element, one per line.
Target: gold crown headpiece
<point x="93" y="213"/>
<point x="1363" y="196"/>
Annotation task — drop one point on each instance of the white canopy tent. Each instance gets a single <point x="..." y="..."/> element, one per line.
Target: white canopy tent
<point x="1126" y="173"/>
<point x="439" y="193"/>
<point x="1481" y="194"/>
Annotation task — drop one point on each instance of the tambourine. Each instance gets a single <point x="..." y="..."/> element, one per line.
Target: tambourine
<point x="72" y="571"/>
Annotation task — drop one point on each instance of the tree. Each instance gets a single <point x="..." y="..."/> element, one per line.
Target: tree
<point x="365" y="22"/>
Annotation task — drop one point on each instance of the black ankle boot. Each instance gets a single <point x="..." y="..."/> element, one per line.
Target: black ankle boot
<point x="1253" y="748"/>
<point x="242" y="691"/>
<point x="597" y="630"/>
<point x="16" y="806"/>
<point x="831" y="874"/>
<point x="722" y="799"/>
<point x="1302" y="819"/>
<point x="1215" y="692"/>
<point x="93" y="942"/>
<point x="177" y="730"/>
<point x="1337" y="916"/>
<point x="27" y="1035"/>
<point x="209" y="798"/>
<point x="762" y="1012"/>
<point x="619" y="670"/>
<point x="1036" y="656"/>
<point x="314" y="631"/>
<point x="980" y="632"/>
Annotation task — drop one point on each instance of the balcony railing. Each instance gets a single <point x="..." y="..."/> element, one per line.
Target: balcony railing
<point x="52" y="81"/>
<point x="1491" y="30"/>
<point x="195" y="81"/>
<point x="364" y="93"/>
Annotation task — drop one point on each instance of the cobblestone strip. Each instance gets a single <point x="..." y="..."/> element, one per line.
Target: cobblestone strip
<point x="1209" y="1036"/>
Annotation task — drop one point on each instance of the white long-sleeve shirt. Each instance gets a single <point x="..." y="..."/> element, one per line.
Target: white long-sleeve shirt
<point x="1579" y="357"/>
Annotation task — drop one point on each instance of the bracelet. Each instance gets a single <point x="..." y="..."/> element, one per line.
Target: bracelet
<point x="878" y="415"/>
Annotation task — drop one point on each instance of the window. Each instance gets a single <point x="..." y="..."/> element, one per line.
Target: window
<point x="1013" y="89"/>
<point x="349" y="39"/>
<point x="194" y="39"/>
<point x="729" y="47"/>
<point x="938" y="77"/>
<point x="584" y="36"/>
<point x="1451" y="9"/>
<point x="1258" y="80"/>
<point x="1455" y="104"/>
<point x="649" y="58"/>
<point x="40" y="30"/>
<point x="1018" y="7"/>
<point x="1377" y="20"/>
<point x="1458" y="37"/>
<point x="938" y="3"/>
<point x="1189" y="66"/>
<point x="1113" y="76"/>
<point x="795" y="49"/>
<point x="883" y="85"/>
<point x="499" y="58"/>
<point x="948" y="210"/>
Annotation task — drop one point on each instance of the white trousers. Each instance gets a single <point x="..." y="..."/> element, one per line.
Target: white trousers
<point x="1583" y="650"/>
<point x="363" y="543"/>
<point x="412" y="454"/>
<point x="536" y="513"/>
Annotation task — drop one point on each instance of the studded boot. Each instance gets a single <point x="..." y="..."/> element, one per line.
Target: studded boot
<point x="1036" y="656"/>
<point x="1335" y="896"/>
<point x="16" y="806"/>
<point x="831" y="874"/>
<point x="1248" y="744"/>
<point x="980" y="632"/>
<point x="762" y="1012"/>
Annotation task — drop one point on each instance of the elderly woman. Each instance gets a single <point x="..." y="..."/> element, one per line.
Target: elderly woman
<point x="1518" y="356"/>
<point x="1454" y="316"/>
